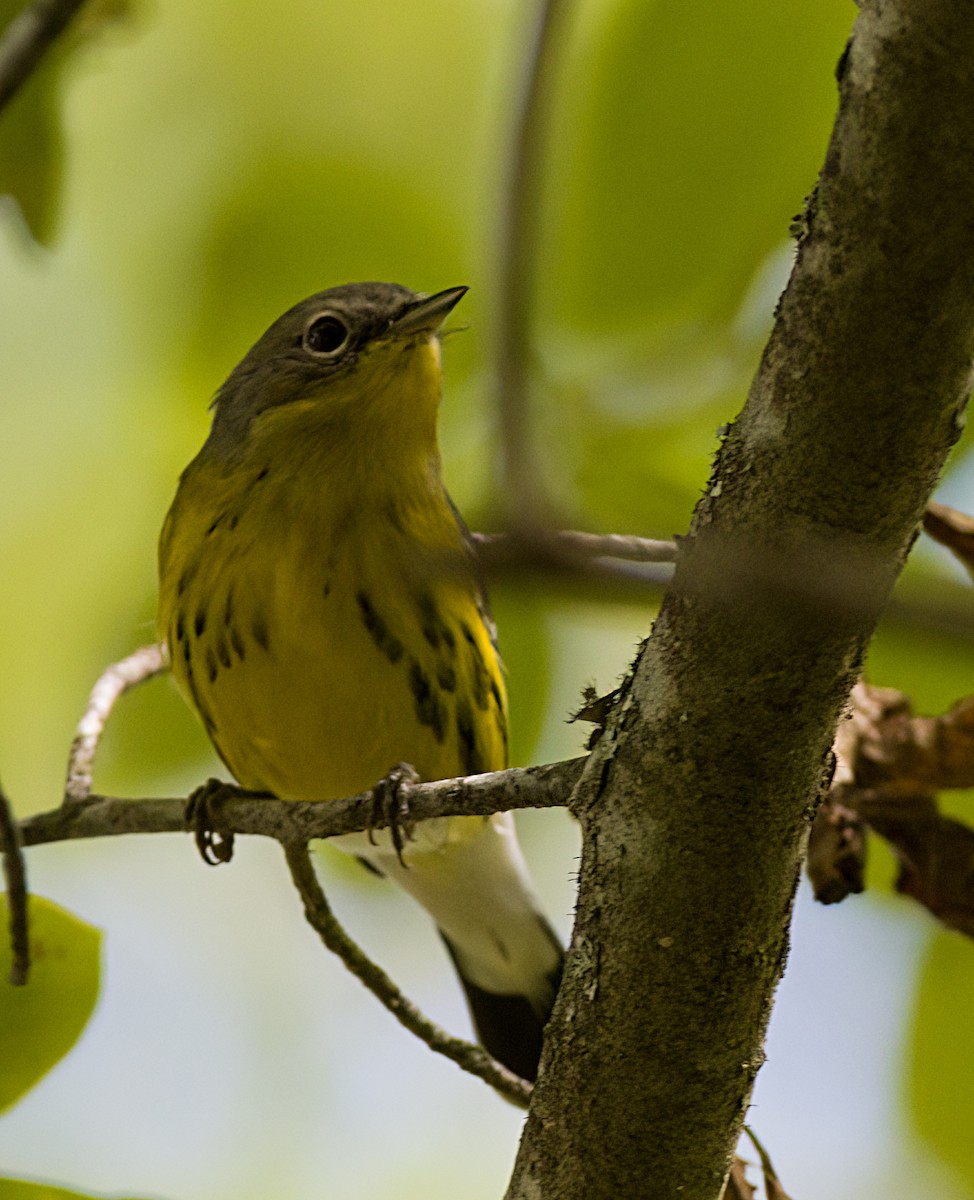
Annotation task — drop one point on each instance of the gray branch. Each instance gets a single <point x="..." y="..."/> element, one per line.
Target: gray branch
<point x="696" y="804"/>
<point x="15" y="877"/>
<point x="466" y="1055"/>
<point x="290" y="821"/>
<point x="517" y="255"/>
<point x="142" y="664"/>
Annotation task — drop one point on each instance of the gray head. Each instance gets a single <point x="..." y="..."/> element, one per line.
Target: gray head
<point x="318" y="343"/>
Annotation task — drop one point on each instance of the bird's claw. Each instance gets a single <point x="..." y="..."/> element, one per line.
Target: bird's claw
<point x="390" y="807"/>
<point x="204" y="815"/>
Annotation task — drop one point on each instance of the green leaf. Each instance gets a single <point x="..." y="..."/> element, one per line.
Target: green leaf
<point x="31" y="134"/>
<point x="941" y="1052"/>
<point x="39" y="1023"/>
<point x="20" y="1189"/>
<point x="32" y="145"/>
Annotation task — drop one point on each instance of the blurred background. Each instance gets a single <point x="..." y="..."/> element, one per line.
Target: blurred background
<point x="187" y="174"/>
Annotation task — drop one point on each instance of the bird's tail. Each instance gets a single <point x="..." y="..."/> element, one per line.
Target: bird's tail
<point x="470" y="876"/>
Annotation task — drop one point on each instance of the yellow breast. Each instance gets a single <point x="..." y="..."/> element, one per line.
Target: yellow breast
<point x="323" y="641"/>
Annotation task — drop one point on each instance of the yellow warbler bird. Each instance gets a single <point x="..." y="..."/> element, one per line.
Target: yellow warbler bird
<point x="322" y="608"/>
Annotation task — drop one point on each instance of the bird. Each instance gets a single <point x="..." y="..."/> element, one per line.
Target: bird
<point x="323" y="613"/>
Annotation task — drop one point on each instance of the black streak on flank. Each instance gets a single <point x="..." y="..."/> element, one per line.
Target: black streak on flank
<point x="236" y="641"/>
<point x="213" y="528"/>
<point x="259" y="629"/>
<point x="429" y="707"/>
<point x="385" y="641"/>
<point x="187" y="577"/>
<point x="261" y="475"/>
<point x="212" y="670"/>
<point x="479" y="677"/>
<point x="446" y="677"/>
<point x="199" y="624"/>
<point x="223" y="652"/>
<point x="180" y="627"/>
<point x="431" y="622"/>
<point x="502" y="730"/>
<point x="200" y="706"/>
<point x="467" y="739"/>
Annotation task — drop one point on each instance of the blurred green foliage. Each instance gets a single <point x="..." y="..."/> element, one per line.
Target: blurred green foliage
<point x="941" y="1051"/>
<point x="674" y="131"/>
<point x="31" y="134"/>
<point x="42" y="1020"/>
<point x="21" y="1189"/>
<point x="216" y="165"/>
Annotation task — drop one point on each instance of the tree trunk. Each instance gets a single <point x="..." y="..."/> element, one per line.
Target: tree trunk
<point x="696" y="804"/>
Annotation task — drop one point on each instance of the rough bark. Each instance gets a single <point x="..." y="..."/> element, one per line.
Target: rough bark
<point x="696" y="804"/>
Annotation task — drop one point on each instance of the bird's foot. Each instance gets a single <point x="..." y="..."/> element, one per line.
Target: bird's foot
<point x="204" y="816"/>
<point x="390" y="807"/>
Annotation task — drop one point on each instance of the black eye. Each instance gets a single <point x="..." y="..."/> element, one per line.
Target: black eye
<point x="326" y="335"/>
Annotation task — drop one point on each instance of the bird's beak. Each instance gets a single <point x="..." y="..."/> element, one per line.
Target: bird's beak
<point x="428" y="314"/>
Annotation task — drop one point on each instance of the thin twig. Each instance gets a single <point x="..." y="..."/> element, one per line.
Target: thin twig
<point x="576" y="545"/>
<point x="465" y="1054"/>
<point x="26" y="40"/>
<point x="547" y="786"/>
<point x="577" y="569"/>
<point x="114" y="681"/>
<point x="15" y="874"/>
<point x="517" y="255"/>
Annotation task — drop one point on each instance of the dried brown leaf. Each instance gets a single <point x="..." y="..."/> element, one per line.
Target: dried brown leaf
<point x="836" y="852"/>
<point x="935" y="854"/>
<point x="883" y="744"/>
<point x="890" y="765"/>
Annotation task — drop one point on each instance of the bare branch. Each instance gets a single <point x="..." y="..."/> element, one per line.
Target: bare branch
<point x="15" y="874"/>
<point x="27" y="39"/>
<point x="303" y="820"/>
<point x="517" y="255"/>
<point x="465" y="1054"/>
<point x="574" y="545"/>
<point x="114" y="681"/>
<point x="615" y="566"/>
<point x="617" y="545"/>
<point x="609" y="566"/>
<point x="952" y="529"/>
<point x="294" y="823"/>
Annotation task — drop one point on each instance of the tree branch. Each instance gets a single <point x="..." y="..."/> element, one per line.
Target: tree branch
<point x="27" y="39"/>
<point x="15" y="875"/>
<point x="517" y="255"/>
<point x="291" y="821"/>
<point x="465" y="1054"/>
<point x="572" y="545"/>
<point x="114" y="682"/>
<point x="606" y="565"/>
<point x="695" y="805"/>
